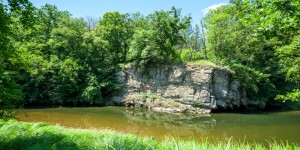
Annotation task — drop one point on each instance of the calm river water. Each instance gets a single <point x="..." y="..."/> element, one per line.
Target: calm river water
<point x="262" y="127"/>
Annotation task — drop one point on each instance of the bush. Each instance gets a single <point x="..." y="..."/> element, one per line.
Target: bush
<point x="187" y="55"/>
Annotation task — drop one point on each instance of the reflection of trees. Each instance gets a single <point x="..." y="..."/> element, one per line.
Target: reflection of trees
<point x="180" y="124"/>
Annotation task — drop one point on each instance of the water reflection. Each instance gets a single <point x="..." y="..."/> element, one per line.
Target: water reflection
<point x="259" y="127"/>
<point x="180" y="124"/>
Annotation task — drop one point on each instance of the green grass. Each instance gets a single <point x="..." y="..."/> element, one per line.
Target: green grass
<point x="207" y="63"/>
<point x="202" y="63"/>
<point x="16" y="135"/>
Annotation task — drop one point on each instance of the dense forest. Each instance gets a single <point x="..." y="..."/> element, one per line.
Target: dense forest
<point x="49" y="57"/>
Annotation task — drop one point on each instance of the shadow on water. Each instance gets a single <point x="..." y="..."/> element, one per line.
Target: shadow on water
<point x="243" y="110"/>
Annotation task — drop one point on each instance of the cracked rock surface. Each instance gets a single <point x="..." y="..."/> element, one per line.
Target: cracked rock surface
<point x="180" y="88"/>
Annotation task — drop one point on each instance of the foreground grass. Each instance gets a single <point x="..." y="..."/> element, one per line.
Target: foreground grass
<point x="20" y="135"/>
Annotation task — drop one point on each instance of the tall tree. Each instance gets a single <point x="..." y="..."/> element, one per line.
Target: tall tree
<point x="231" y="42"/>
<point x="91" y="22"/>
<point x="156" y="43"/>
<point x="10" y="90"/>
<point x="114" y="30"/>
<point x="256" y="44"/>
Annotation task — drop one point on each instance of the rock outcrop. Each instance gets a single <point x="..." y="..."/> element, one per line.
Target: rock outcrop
<point x="190" y="88"/>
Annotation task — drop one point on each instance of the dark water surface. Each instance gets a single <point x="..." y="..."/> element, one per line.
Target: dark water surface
<point x="260" y="127"/>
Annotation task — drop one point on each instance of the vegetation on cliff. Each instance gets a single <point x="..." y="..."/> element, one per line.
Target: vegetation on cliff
<point x="20" y="135"/>
<point x="49" y="57"/>
<point x="258" y="39"/>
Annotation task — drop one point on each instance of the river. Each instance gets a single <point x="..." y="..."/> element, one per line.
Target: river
<point x="260" y="127"/>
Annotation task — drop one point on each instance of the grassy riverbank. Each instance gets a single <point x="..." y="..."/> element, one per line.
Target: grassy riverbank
<point x="20" y="135"/>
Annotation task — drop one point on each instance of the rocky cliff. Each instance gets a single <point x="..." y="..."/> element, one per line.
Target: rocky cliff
<point x="190" y="88"/>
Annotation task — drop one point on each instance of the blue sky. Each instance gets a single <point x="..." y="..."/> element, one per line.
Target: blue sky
<point x="96" y="8"/>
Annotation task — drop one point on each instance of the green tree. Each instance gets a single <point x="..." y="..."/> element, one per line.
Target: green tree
<point x="65" y="81"/>
<point x="280" y="21"/>
<point x="257" y="44"/>
<point x="48" y="17"/>
<point x="157" y="43"/>
<point x="290" y="60"/>
<point x="66" y="40"/>
<point x="113" y="29"/>
<point x="231" y="41"/>
<point x="105" y="48"/>
<point x="10" y="90"/>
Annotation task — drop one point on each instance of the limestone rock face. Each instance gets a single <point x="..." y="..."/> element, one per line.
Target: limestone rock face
<point x="180" y="88"/>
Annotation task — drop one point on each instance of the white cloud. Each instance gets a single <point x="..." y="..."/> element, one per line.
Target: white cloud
<point x="212" y="7"/>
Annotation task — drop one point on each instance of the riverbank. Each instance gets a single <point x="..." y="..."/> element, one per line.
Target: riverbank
<point x="21" y="135"/>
